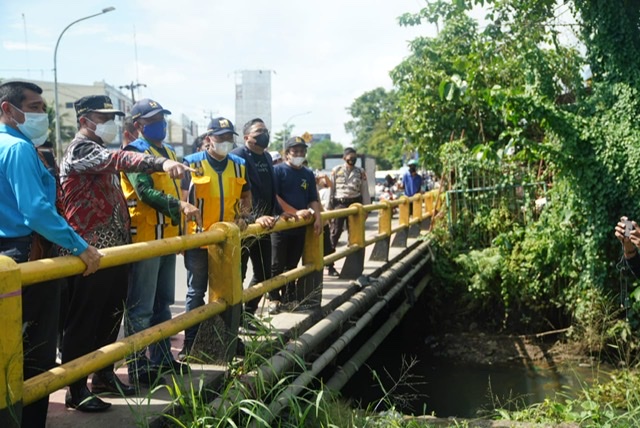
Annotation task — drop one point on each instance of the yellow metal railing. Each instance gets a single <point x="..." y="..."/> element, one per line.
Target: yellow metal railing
<point x="224" y="246"/>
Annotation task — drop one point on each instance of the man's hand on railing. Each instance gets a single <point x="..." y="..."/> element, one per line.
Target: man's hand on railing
<point x="288" y="216"/>
<point x="266" y="221"/>
<point x="91" y="257"/>
<point x="305" y="214"/>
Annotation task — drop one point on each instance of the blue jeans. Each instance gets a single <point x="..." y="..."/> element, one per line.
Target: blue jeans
<point x="151" y="294"/>
<point x="197" y="263"/>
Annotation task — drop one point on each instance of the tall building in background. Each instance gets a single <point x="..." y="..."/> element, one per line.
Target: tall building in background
<point x="253" y="97"/>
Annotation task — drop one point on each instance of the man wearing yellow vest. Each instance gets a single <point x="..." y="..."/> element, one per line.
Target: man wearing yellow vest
<point x="155" y="208"/>
<point x="220" y="189"/>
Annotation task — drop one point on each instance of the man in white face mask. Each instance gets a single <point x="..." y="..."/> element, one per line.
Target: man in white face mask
<point x="220" y="188"/>
<point x="28" y="195"/>
<point x="94" y="205"/>
<point x="297" y="194"/>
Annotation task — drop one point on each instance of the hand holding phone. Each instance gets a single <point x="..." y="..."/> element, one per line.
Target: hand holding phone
<point x="628" y="228"/>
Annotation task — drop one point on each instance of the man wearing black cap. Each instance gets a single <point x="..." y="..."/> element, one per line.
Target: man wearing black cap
<point x="219" y="184"/>
<point x="155" y="208"/>
<point x="297" y="194"/>
<point x="349" y="187"/>
<point x="95" y="207"/>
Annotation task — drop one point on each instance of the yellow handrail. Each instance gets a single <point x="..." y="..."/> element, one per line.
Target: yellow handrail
<point x="224" y="244"/>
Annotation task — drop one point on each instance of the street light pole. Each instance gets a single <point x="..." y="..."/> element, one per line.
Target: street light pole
<point x="132" y="86"/>
<point x="55" y="79"/>
<point x="284" y="133"/>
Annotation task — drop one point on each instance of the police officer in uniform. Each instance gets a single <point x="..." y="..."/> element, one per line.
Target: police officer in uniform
<point x="349" y="187"/>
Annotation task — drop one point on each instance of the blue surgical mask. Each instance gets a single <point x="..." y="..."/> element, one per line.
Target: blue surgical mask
<point x="156" y="131"/>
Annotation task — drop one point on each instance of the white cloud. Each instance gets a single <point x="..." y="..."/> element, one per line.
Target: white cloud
<point x="324" y="54"/>
<point x="22" y="46"/>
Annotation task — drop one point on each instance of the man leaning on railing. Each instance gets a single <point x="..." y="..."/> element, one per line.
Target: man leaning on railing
<point x="28" y="195"/>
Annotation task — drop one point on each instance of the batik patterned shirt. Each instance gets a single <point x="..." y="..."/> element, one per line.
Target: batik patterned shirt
<point x="92" y="198"/>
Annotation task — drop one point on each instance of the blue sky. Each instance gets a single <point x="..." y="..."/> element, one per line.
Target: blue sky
<point x="324" y="54"/>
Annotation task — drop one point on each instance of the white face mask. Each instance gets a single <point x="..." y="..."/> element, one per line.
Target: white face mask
<point x="297" y="161"/>
<point x="223" y="148"/>
<point x="106" y="131"/>
<point x="35" y="126"/>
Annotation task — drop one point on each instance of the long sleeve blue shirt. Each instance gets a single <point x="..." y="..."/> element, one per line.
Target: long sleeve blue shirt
<point x="412" y="183"/>
<point x="28" y="195"/>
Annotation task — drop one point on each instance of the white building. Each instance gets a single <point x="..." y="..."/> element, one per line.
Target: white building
<point x="181" y="131"/>
<point x="253" y="97"/>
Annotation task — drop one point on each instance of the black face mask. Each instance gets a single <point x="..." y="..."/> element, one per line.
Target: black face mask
<point x="351" y="162"/>
<point x="262" y="140"/>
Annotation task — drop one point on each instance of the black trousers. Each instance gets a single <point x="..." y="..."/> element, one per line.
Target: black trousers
<point x="40" y="305"/>
<point x="337" y="224"/>
<point x="286" y="253"/>
<point x="259" y="250"/>
<point x="95" y="312"/>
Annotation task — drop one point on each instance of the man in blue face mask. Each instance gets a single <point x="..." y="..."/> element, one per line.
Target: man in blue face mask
<point x="28" y="195"/>
<point x="156" y="213"/>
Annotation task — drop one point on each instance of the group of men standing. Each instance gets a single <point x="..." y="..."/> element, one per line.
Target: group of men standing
<point x="140" y="193"/>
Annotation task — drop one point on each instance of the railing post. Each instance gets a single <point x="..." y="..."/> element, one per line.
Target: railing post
<point x="400" y="240"/>
<point x="380" y="251"/>
<point x="427" y="209"/>
<point x="416" y="205"/>
<point x="11" y="352"/>
<point x="217" y="336"/>
<point x="354" y="263"/>
<point x="309" y="287"/>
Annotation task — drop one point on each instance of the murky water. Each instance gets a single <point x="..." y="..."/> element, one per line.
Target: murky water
<point x="449" y="389"/>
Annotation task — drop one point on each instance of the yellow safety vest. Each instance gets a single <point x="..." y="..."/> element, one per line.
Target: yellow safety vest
<point x="148" y="224"/>
<point x="216" y="195"/>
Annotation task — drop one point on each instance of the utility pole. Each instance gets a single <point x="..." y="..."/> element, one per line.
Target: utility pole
<point x="131" y="87"/>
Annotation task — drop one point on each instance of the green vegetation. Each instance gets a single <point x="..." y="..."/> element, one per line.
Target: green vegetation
<point x="316" y="150"/>
<point x="504" y="105"/>
<point x="507" y="105"/>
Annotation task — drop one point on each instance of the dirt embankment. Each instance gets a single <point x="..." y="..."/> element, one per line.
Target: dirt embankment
<point x="493" y="349"/>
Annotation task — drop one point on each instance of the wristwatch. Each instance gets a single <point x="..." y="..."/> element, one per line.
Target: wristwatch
<point x="312" y="211"/>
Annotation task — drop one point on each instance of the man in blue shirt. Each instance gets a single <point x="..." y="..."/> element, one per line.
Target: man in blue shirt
<point x="28" y="195"/>
<point x="411" y="180"/>
<point x="297" y="194"/>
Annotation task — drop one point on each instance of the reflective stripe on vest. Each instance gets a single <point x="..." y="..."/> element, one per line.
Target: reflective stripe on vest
<point x="216" y="195"/>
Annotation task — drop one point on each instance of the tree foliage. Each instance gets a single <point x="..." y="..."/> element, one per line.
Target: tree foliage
<point x="510" y="99"/>
<point x="373" y="113"/>
<point x="326" y="147"/>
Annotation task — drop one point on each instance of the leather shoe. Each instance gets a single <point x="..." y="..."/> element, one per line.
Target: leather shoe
<point x="83" y="401"/>
<point x="332" y="271"/>
<point x="109" y="382"/>
<point x="146" y="377"/>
